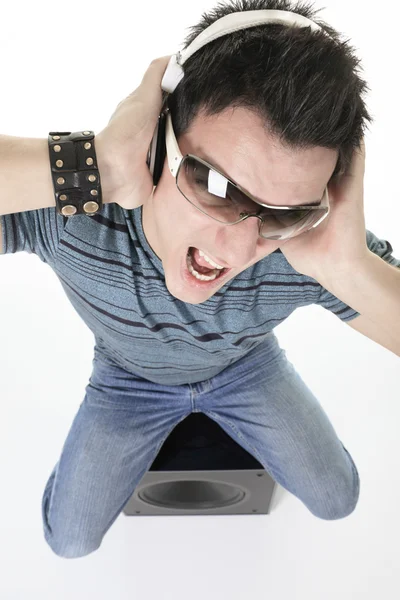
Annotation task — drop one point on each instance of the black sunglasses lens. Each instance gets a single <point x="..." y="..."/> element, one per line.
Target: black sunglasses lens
<point x="216" y="196"/>
<point x="212" y="193"/>
<point x="280" y="228"/>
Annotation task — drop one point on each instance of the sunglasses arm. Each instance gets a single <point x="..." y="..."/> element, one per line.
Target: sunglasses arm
<point x="174" y="155"/>
<point x="175" y="158"/>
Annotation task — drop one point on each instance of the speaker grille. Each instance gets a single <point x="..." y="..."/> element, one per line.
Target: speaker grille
<point x="191" y="495"/>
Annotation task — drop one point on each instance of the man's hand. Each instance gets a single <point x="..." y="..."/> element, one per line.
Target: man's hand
<point x="122" y="146"/>
<point x="340" y="240"/>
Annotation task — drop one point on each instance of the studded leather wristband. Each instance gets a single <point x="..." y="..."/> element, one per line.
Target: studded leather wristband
<point x="75" y="174"/>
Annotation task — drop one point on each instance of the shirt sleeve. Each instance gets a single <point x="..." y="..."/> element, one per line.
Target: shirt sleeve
<point x="36" y="232"/>
<point x="344" y="312"/>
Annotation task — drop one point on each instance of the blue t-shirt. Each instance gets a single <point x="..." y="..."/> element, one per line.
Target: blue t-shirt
<point x="116" y="284"/>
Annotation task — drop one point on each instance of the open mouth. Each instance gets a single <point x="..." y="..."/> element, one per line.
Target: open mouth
<point x="202" y="274"/>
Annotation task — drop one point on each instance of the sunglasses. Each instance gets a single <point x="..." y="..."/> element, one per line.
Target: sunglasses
<point x="220" y="198"/>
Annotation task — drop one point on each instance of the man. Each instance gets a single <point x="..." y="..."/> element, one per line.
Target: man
<point x="282" y="127"/>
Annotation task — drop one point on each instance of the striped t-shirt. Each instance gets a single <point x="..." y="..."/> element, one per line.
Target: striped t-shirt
<point x="116" y="284"/>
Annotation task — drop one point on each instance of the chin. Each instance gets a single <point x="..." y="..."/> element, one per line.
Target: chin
<point x="189" y="297"/>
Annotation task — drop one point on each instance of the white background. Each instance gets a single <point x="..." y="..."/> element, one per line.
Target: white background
<point x="66" y="66"/>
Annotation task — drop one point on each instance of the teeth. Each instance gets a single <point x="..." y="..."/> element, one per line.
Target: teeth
<point x="212" y="263"/>
<point x="196" y="274"/>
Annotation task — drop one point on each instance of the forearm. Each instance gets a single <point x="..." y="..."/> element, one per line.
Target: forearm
<point x="25" y="178"/>
<point x="25" y="174"/>
<point x="372" y="288"/>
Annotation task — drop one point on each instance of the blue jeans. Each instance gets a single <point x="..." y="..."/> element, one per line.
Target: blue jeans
<point x="260" y="401"/>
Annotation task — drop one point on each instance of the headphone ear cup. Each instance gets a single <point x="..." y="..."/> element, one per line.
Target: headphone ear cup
<point x="157" y="151"/>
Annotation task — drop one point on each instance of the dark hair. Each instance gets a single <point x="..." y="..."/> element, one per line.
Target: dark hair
<point x="303" y="84"/>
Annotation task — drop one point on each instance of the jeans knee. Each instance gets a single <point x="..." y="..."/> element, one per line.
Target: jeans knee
<point x="68" y="549"/>
<point x="338" y="511"/>
<point x="59" y="542"/>
<point x="338" y="506"/>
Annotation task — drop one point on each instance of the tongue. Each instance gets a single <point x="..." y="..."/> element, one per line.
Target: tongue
<point x="201" y="261"/>
<point x="203" y="266"/>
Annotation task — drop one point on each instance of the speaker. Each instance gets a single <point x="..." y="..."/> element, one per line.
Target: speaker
<point x="200" y="470"/>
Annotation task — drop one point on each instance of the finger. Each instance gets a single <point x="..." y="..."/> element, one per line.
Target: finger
<point x="359" y="159"/>
<point x="150" y="86"/>
<point x="356" y="168"/>
<point x="155" y="70"/>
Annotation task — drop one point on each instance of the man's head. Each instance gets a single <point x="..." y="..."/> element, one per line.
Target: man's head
<point x="276" y="109"/>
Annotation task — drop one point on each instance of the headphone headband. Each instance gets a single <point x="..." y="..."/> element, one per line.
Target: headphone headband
<point x="233" y="22"/>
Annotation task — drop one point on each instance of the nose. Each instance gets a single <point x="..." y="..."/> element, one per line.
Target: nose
<point x="241" y="241"/>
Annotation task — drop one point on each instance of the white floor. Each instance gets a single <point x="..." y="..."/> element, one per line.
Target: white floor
<point x="289" y="554"/>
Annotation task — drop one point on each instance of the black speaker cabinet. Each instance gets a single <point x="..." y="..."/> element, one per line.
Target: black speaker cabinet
<point x="200" y="470"/>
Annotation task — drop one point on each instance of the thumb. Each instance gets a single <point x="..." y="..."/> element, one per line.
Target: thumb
<point x="155" y="71"/>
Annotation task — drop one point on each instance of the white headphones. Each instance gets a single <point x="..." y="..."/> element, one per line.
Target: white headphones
<point x="233" y="22"/>
<point x="174" y="71"/>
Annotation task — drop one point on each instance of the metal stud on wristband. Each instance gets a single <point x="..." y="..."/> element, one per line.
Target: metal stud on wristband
<point x="75" y="174"/>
